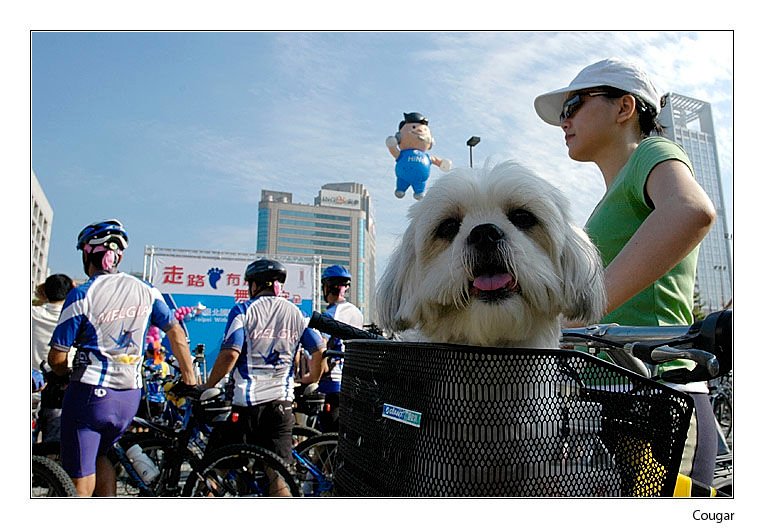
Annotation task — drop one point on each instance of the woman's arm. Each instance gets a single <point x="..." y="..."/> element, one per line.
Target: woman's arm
<point x="682" y="217"/>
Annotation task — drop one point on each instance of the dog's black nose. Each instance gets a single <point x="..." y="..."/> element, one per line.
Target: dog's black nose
<point x="485" y="235"/>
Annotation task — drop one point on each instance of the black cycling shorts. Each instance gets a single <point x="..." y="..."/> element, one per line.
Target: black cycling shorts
<point x="268" y="425"/>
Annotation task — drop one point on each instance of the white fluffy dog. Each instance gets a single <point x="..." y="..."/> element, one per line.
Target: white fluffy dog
<point x="491" y="258"/>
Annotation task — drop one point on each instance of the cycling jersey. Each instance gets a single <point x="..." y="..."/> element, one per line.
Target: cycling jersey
<point x="106" y="319"/>
<point x="345" y="312"/>
<point x="266" y="331"/>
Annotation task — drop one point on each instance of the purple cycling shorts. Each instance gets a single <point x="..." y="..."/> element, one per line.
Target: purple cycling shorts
<point x="92" y="419"/>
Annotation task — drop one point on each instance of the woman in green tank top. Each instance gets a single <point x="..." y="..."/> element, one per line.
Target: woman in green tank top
<point x="652" y="217"/>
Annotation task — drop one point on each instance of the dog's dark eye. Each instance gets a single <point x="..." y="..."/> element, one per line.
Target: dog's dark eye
<point x="448" y="229"/>
<point x="522" y="219"/>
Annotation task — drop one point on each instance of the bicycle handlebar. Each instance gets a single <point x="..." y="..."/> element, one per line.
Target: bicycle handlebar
<point x="707" y="364"/>
<point x="328" y="325"/>
<point x="708" y="343"/>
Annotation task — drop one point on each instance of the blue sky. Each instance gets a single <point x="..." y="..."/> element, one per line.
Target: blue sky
<point x="176" y="133"/>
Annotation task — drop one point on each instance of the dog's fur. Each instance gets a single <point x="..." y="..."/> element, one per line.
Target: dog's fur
<point x="491" y="227"/>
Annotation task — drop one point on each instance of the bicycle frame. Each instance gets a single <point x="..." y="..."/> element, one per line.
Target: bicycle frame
<point x="177" y="438"/>
<point x="122" y="458"/>
<point x="324" y="485"/>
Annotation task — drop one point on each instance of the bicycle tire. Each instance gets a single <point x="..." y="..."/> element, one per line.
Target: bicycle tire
<point x="50" y="480"/>
<point x="302" y="433"/>
<point x="321" y="451"/>
<point x="239" y="470"/>
<point x="154" y="447"/>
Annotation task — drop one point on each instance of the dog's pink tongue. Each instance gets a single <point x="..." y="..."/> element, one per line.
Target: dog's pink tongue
<point x="494" y="282"/>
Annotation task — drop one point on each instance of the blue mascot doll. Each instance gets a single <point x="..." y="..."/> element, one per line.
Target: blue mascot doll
<point x="409" y="147"/>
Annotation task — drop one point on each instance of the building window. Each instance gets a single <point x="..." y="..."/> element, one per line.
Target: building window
<point x="310" y="251"/>
<point x="312" y="234"/>
<point x="263" y="219"/>
<point x="310" y="215"/>
<point x="314" y="243"/>
<point x="295" y="222"/>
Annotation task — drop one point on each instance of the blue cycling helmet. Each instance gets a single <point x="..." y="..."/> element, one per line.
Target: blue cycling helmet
<point x="110" y="233"/>
<point x="336" y="275"/>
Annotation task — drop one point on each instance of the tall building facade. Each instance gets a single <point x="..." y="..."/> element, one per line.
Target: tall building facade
<point x="339" y="227"/>
<point x="42" y="220"/>
<point x="689" y="123"/>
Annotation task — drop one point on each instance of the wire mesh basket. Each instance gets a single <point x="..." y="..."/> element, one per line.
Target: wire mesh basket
<point x="423" y="419"/>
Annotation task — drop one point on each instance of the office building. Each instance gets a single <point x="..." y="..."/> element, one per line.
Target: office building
<point x="42" y="219"/>
<point x="689" y="123"/>
<point x="338" y="227"/>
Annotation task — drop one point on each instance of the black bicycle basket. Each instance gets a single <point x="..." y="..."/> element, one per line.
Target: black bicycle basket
<point x="423" y="419"/>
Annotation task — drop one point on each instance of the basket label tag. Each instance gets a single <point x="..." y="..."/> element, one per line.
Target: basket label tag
<point x="412" y="418"/>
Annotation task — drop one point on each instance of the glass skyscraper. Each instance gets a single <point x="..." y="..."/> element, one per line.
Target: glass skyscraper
<point x="339" y="227"/>
<point x="689" y="123"/>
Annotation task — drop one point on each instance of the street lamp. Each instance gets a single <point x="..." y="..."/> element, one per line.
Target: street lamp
<point x="474" y="140"/>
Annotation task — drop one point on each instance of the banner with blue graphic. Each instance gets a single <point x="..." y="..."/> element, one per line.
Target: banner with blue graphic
<point x="216" y="284"/>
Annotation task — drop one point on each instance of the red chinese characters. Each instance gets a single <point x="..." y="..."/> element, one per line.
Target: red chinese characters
<point x="173" y="275"/>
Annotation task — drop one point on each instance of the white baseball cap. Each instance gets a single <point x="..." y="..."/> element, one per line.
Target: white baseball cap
<point x="616" y="73"/>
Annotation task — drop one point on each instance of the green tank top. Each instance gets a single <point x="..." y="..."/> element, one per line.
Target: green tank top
<point x="618" y="215"/>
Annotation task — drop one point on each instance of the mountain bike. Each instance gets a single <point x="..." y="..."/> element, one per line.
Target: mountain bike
<point x="425" y="419"/>
<point x="721" y="401"/>
<point x="315" y="464"/>
<point x="185" y="469"/>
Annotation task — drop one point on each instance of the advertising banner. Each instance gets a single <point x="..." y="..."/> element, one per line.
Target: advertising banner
<point x="217" y="283"/>
<point x="340" y="199"/>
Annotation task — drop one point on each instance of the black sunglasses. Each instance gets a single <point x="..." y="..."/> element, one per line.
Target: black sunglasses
<point x="570" y="106"/>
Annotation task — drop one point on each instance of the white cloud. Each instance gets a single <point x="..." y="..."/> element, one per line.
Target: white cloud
<point x="319" y="106"/>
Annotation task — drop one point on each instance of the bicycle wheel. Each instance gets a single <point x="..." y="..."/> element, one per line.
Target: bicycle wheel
<point x="315" y="464"/>
<point x="301" y="433"/>
<point x="49" y="479"/>
<point x="157" y="449"/>
<point x="241" y="470"/>
<point x="723" y="413"/>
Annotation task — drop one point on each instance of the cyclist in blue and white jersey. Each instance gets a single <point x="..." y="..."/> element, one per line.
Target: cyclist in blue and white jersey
<point x="259" y="346"/>
<point x="335" y="282"/>
<point x="106" y="319"/>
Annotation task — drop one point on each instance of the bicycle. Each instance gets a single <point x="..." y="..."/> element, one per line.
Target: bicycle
<point x="49" y="479"/>
<point x="721" y="402"/>
<point x="570" y="424"/>
<point x="707" y="342"/>
<point x="233" y="470"/>
<point x="175" y="442"/>
<point x="184" y="469"/>
<point x="315" y="460"/>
